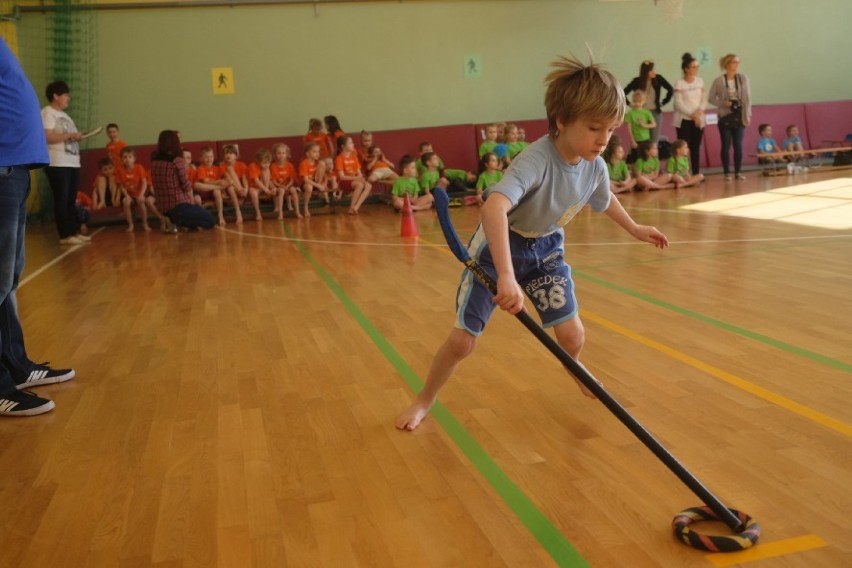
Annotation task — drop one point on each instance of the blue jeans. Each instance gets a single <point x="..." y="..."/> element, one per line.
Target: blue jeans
<point x="191" y="216"/>
<point x="63" y="184"/>
<point x="14" y="189"/>
<point x="734" y="135"/>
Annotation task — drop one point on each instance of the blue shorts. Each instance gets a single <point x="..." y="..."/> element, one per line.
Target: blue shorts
<point x="541" y="271"/>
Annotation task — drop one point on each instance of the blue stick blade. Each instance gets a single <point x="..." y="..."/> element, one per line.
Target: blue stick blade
<point x="442" y="207"/>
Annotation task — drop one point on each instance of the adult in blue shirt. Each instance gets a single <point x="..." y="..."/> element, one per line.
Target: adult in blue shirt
<point x="23" y="147"/>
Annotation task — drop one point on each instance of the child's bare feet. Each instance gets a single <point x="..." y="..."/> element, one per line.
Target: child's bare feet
<point x="413" y="416"/>
<point x="299" y="215"/>
<point x="221" y="221"/>
<point x="239" y="219"/>
<point x="147" y="228"/>
<point x="129" y="229"/>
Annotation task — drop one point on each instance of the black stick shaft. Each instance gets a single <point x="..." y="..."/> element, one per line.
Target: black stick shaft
<point x="625" y="417"/>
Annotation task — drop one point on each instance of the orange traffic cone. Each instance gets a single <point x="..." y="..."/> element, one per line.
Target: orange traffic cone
<point x="408" y="226"/>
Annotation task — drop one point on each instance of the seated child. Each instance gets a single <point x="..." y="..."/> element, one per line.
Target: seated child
<point x="283" y="176"/>
<point x="364" y="148"/>
<point x="191" y="173"/>
<point x="378" y="167"/>
<point x="430" y="176"/>
<point x="105" y="192"/>
<point x="133" y="181"/>
<point x="313" y="175"/>
<point x="234" y="173"/>
<point x="316" y="135"/>
<point x="793" y="142"/>
<point x="767" y="145"/>
<point x="640" y="120"/>
<point x="514" y="145"/>
<point x="647" y="168"/>
<point x="351" y="178"/>
<point x="83" y="204"/>
<point x="407" y="184"/>
<point x="210" y="181"/>
<point x="490" y="174"/>
<point x="490" y="141"/>
<point x="619" y="175"/>
<point x="680" y="168"/>
<point x="260" y="182"/>
<point x="115" y="144"/>
<point x="460" y="177"/>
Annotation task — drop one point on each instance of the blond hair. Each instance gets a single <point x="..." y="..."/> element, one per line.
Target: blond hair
<point x="575" y="90"/>
<point x="723" y="63"/>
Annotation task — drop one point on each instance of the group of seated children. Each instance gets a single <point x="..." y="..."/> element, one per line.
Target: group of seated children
<point x="647" y="171"/>
<point x="767" y="149"/>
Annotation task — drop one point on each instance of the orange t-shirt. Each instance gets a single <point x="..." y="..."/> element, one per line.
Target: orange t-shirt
<point x="191" y="174"/>
<point x="320" y="138"/>
<point x="307" y="169"/>
<point x="131" y="180"/>
<point x="255" y="172"/>
<point x="283" y="174"/>
<point x="364" y="154"/>
<point x="240" y="168"/>
<point x="208" y="174"/>
<point x="84" y="200"/>
<point x="114" y="151"/>
<point x="348" y="164"/>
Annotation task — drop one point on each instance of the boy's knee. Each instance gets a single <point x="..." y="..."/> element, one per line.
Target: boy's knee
<point x="461" y="343"/>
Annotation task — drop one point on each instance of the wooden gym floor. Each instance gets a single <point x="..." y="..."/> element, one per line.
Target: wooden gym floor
<point x="237" y="389"/>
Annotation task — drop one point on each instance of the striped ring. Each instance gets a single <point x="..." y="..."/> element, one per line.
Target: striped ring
<point x="739" y="541"/>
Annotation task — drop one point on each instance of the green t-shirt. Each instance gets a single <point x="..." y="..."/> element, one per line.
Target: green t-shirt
<point x="428" y="179"/>
<point x="487" y="146"/>
<point x="421" y="168"/>
<point x="633" y="117"/>
<point x="516" y="147"/>
<point x="487" y="179"/>
<point x="678" y="165"/>
<point x="405" y="185"/>
<point x="649" y="166"/>
<point x="618" y="171"/>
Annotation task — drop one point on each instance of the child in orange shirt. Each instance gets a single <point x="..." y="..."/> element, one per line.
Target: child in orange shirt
<point x="191" y="173"/>
<point x="364" y="148"/>
<point x="332" y="128"/>
<point x="316" y="135"/>
<point x="133" y="180"/>
<point x="313" y="175"/>
<point x="209" y="180"/>
<point x="105" y="192"/>
<point x="115" y="145"/>
<point x="234" y="172"/>
<point x="260" y="182"/>
<point x="283" y="177"/>
<point x="348" y="168"/>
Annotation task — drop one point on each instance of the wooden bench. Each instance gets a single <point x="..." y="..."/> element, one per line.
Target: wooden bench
<point x="776" y="157"/>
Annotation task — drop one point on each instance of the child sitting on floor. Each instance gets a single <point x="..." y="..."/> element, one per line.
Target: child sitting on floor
<point x="647" y="168"/>
<point x="619" y="174"/>
<point x="679" y="167"/>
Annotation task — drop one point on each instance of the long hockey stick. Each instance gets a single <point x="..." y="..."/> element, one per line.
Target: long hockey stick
<point x="724" y="514"/>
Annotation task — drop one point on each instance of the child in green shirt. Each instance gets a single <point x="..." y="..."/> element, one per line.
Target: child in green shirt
<point x="619" y="175"/>
<point x="491" y="174"/>
<point x="640" y="120"/>
<point x="407" y="184"/>
<point x="647" y="168"/>
<point x="680" y="168"/>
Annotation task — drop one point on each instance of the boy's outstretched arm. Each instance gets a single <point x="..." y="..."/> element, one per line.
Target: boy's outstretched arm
<point x="509" y="296"/>
<point x="645" y="233"/>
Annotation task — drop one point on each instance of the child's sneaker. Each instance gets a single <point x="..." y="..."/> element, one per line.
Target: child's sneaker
<point x="24" y="403"/>
<point x="42" y="374"/>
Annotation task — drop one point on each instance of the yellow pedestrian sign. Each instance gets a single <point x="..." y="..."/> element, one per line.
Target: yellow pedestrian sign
<point x="223" y="80"/>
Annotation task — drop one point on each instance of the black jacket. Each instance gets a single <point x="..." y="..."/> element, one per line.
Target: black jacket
<point x="659" y="82"/>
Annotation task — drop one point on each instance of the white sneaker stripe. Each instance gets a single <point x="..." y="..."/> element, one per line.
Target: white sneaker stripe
<point x="7" y="405"/>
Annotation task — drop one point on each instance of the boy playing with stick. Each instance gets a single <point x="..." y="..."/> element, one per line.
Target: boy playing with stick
<point x="521" y="242"/>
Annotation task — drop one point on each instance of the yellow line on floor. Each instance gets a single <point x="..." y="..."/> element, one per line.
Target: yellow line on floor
<point x="767" y="550"/>
<point x="760" y="392"/>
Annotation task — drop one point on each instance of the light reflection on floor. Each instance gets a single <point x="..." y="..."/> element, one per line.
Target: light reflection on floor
<point x="826" y="204"/>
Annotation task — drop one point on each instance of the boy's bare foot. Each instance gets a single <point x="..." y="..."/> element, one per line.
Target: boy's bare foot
<point x="585" y="390"/>
<point x="299" y="215"/>
<point x="221" y="221"/>
<point x="281" y="216"/>
<point x="258" y="218"/>
<point x="129" y="229"/>
<point x="147" y="228"/>
<point x="307" y="213"/>
<point x="413" y="416"/>
<point x="240" y="220"/>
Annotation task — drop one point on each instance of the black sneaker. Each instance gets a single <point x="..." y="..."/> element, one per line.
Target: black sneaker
<point x="42" y="374"/>
<point x="24" y="403"/>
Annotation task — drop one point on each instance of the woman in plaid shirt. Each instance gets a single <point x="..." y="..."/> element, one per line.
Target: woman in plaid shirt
<point x="172" y="190"/>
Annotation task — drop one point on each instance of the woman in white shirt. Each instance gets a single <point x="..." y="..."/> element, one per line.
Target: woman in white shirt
<point x="689" y="104"/>
<point x="63" y="173"/>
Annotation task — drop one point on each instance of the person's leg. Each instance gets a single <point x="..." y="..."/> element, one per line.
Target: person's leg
<point x="655" y="132"/>
<point x="695" y="149"/>
<point x="59" y="180"/>
<point x="70" y="204"/>
<point x="457" y="346"/>
<point x="571" y="336"/>
<point x="191" y="216"/>
<point x="737" y="135"/>
<point x="725" y="135"/>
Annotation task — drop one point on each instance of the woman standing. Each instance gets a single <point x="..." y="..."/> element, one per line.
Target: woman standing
<point x="652" y="84"/>
<point x="689" y="109"/>
<point x="172" y="190"/>
<point x="732" y="95"/>
<point x="63" y="173"/>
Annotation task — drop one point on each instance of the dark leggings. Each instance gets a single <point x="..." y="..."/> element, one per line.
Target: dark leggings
<point x="734" y="135"/>
<point x="692" y="134"/>
<point x="63" y="184"/>
<point x="191" y="216"/>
